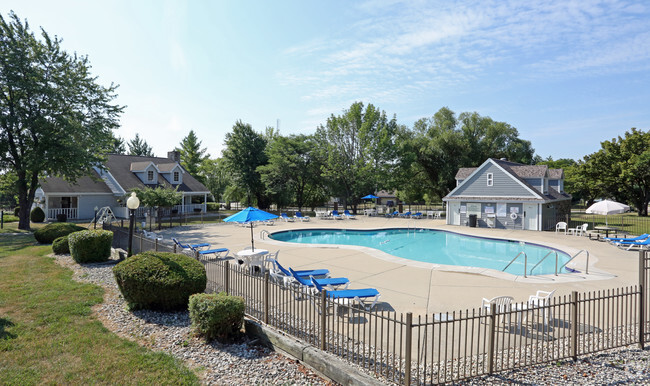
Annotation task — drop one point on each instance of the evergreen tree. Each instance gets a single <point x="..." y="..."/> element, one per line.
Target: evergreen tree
<point x="140" y="147"/>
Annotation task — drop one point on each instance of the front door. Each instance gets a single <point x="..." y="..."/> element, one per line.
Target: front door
<point x="530" y="220"/>
<point x="453" y="214"/>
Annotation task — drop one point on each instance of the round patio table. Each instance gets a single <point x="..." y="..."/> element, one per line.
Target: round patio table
<point x="605" y="229"/>
<point x="253" y="258"/>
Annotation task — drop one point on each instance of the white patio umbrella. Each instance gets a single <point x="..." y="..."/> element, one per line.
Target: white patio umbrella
<point x="607" y="207"/>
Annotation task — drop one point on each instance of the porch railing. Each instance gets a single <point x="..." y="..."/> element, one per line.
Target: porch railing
<point x="70" y="213"/>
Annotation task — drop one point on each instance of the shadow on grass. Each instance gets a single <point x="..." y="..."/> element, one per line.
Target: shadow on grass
<point x="4" y="335"/>
<point x="13" y="243"/>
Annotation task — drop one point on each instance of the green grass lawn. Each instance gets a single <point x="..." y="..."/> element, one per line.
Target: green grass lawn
<point x="49" y="336"/>
<point x="629" y="223"/>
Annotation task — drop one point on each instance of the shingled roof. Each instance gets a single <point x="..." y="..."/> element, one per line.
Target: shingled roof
<point x="516" y="169"/>
<point x="120" y="166"/>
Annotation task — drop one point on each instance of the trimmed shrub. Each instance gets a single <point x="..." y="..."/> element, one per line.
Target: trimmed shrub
<point x="159" y="280"/>
<point x="61" y="217"/>
<point x="90" y="246"/>
<point x="51" y="232"/>
<point x="60" y="246"/>
<point x="217" y="316"/>
<point x="37" y="215"/>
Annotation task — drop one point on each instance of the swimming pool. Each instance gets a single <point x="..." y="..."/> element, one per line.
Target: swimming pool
<point x="436" y="246"/>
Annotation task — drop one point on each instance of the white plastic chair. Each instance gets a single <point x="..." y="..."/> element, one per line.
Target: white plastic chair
<point x="561" y="226"/>
<point x="503" y="304"/>
<point x="580" y="230"/>
<point x="541" y="299"/>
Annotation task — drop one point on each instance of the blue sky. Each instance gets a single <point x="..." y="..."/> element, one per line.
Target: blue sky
<point x="567" y="74"/>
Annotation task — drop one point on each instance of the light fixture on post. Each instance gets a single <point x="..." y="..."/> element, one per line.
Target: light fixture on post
<point x="95" y="218"/>
<point x="132" y="203"/>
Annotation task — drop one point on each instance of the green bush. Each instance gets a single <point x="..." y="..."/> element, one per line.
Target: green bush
<point x="16" y="211"/>
<point x="60" y="246"/>
<point x="61" y="217"/>
<point x="51" y="232"/>
<point x="90" y="246"/>
<point x="212" y="206"/>
<point x="159" y="280"/>
<point x="37" y="215"/>
<point x="216" y="316"/>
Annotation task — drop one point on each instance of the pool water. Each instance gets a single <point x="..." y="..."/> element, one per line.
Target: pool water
<point x="438" y="247"/>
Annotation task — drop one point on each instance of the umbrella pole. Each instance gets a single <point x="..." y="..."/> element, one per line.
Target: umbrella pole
<point x="252" y="242"/>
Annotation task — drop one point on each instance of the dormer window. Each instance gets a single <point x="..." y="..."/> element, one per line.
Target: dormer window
<point x="177" y="176"/>
<point x="150" y="175"/>
<point x="490" y="179"/>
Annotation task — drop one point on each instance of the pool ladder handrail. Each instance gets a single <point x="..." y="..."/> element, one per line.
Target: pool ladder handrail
<point x="543" y="258"/>
<point x="576" y="255"/>
<point x="264" y="232"/>
<point x="513" y="260"/>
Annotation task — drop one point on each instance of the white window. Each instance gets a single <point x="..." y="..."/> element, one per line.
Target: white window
<point x="490" y="179"/>
<point x="150" y="175"/>
<point x="176" y="176"/>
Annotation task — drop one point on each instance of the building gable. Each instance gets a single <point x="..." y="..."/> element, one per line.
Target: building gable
<point x="504" y="183"/>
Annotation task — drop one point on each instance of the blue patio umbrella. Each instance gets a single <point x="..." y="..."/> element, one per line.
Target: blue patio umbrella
<point x="369" y="197"/>
<point x="249" y="215"/>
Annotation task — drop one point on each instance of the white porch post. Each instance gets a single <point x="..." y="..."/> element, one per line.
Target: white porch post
<point x="183" y="203"/>
<point x="205" y="202"/>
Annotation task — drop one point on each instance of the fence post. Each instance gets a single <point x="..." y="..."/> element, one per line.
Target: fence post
<point x="408" y="348"/>
<point x="492" y="327"/>
<point x="226" y="277"/>
<point x="574" y="325"/>
<point x="140" y="237"/>
<point x="323" y="318"/>
<point x="642" y="281"/>
<point x="174" y="247"/>
<point x="155" y="246"/>
<point x="266" y="297"/>
<point x="196" y="254"/>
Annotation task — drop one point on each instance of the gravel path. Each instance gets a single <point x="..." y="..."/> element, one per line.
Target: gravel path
<point x="247" y="364"/>
<point x="241" y="363"/>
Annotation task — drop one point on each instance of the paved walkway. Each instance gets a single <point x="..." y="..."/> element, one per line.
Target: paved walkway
<point x="424" y="288"/>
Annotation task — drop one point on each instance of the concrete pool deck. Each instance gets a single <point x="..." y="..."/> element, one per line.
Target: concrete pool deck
<point x="424" y="288"/>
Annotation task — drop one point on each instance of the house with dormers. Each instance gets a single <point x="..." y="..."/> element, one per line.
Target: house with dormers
<point x="508" y="195"/>
<point x="109" y="185"/>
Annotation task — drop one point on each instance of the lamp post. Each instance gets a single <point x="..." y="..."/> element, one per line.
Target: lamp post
<point x="132" y="203"/>
<point x="95" y="218"/>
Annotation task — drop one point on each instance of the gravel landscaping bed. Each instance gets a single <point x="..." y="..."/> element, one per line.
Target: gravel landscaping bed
<point x="240" y="363"/>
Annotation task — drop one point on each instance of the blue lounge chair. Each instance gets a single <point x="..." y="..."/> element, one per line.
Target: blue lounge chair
<point x="331" y="282"/>
<point x="638" y="238"/>
<point x="348" y="215"/>
<point x="285" y="217"/>
<point x="302" y="273"/>
<point x="417" y="215"/>
<point x="631" y="244"/>
<point x="300" y="217"/>
<point x="344" y="297"/>
<point x="337" y="215"/>
<point x="406" y="215"/>
<point x="217" y="252"/>
<point x="190" y="246"/>
<point x="393" y="214"/>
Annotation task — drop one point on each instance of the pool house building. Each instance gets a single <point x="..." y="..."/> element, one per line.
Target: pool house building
<point x="508" y="195"/>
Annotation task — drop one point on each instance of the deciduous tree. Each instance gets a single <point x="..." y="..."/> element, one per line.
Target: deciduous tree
<point x="244" y="153"/>
<point x="56" y="119"/>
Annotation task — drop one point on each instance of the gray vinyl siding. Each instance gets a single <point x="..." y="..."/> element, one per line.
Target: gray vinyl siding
<point x="536" y="182"/>
<point x="504" y="185"/>
<point x="554" y="184"/>
<point x="87" y="204"/>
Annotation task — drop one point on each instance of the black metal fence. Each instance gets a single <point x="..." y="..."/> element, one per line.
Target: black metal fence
<point x="443" y="347"/>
